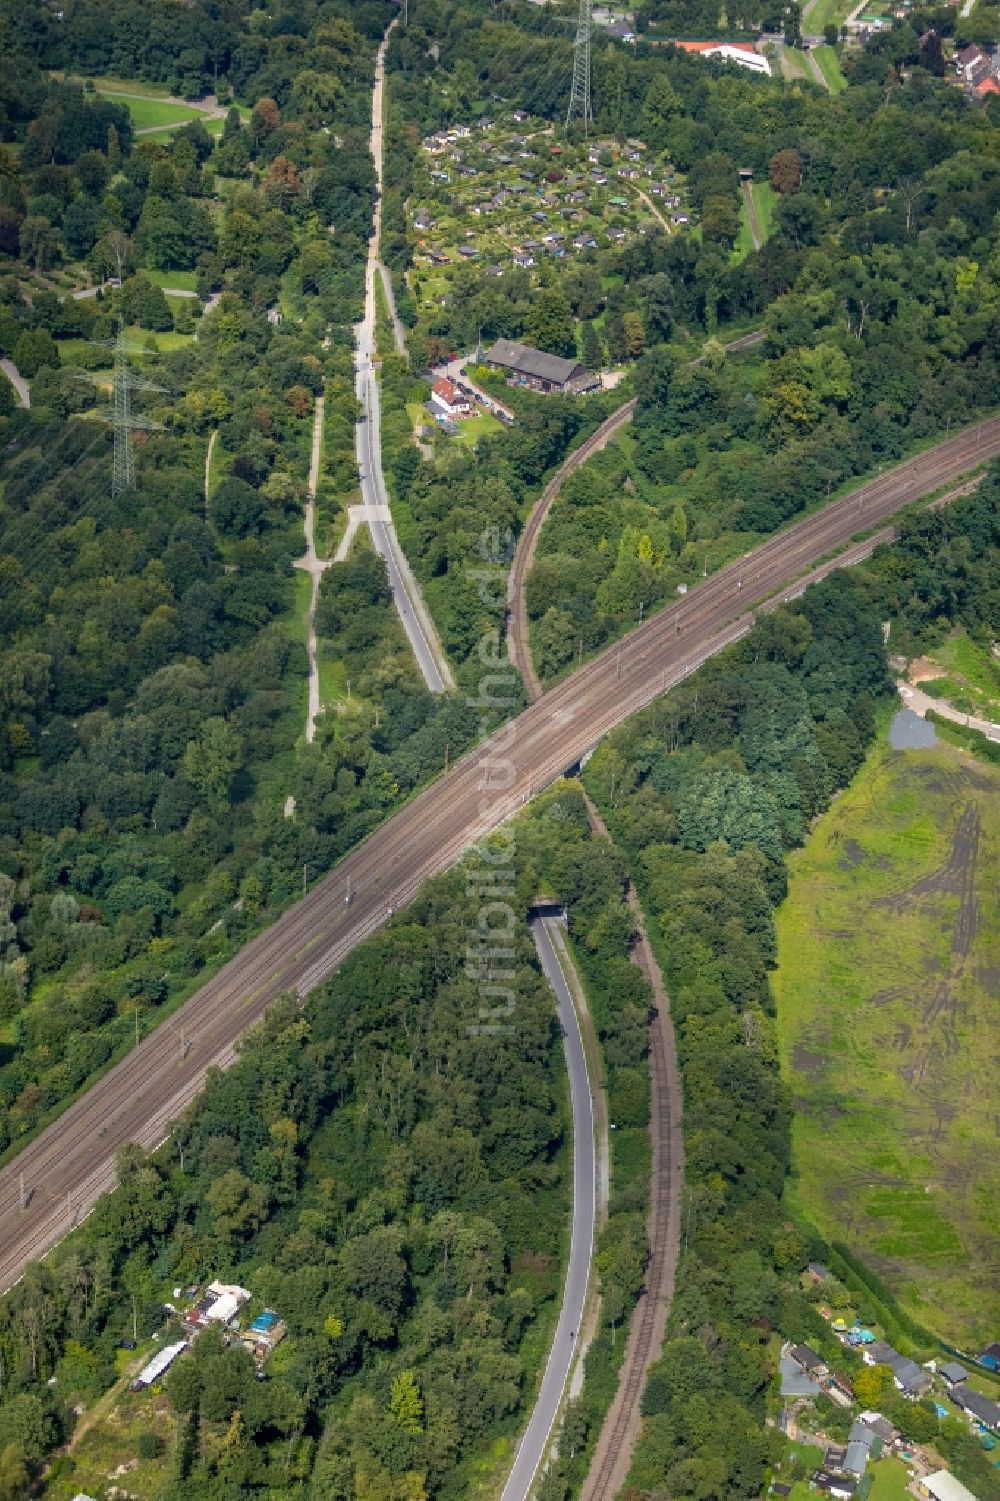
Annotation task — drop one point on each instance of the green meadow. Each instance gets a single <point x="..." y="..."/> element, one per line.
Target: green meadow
<point x="888" y="955"/>
<point x="147" y="112"/>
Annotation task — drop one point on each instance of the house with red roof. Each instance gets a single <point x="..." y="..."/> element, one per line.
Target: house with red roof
<point x="743" y="53"/>
<point x="447" y="400"/>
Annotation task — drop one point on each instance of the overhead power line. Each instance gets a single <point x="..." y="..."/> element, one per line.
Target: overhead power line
<point x="579" y="99"/>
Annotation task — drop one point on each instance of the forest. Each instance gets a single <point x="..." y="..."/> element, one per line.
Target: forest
<point x="394" y="1186"/>
<point x="152" y="673"/>
<point x="706" y="791"/>
<point x="390" y="1180"/>
<point x="394" y="1183"/>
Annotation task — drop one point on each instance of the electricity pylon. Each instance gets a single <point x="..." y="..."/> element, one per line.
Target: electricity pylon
<point x="123" y="419"/>
<point x="124" y="472"/>
<point x="579" y="99"/>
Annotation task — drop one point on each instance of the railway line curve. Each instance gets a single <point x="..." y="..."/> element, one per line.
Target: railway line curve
<point x="58" y="1176"/>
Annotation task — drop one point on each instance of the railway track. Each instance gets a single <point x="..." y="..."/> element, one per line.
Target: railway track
<point x="616" y="1441"/>
<point x="72" y="1161"/>
<point x="646" y="1330"/>
<point x="518" y="638"/>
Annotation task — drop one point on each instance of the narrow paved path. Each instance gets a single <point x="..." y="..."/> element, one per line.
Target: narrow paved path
<point x="406" y="594"/>
<point x="82" y="293"/>
<point x="617" y="1439"/>
<point x="355" y="518"/>
<point x="315" y="567"/>
<point x="533" y="1446"/>
<point x="751" y="208"/>
<point x="18" y="381"/>
<point x="518" y="633"/>
<point x="151" y="130"/>
<point x="817" y="71"/>
<point x="922" y="703"/>
<point x="652" y="207"/>
<point x="208" y="462"/>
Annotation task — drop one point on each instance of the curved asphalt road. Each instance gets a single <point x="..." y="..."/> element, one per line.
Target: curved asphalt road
<point x="69" y="1164"/>
<point x="368" y="445"/>
<point x="531" y="1450"/>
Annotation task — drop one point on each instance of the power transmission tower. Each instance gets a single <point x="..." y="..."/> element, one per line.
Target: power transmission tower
<point x="579" y="99"/>
<point x="124" y="471"/>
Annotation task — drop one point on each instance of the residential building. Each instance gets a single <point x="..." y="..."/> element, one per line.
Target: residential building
<point x="533" y="368"/>
<point x="863" y="1444"/>
<point x="834" y="1485"/>
<point x="952" y="1372"/>
<point x="942" y="1485"/>
<point x="881" y="1427"/>
<point x="806" y="1357"/>
<point x="219" y="1304"/>
<point x="910" y="1379"/>
<point x="795" y="1381"/>
<point x="968" y="58"/>
<point x="448" y="401"/>
<point x="159" y="1365"/>
<point x="264" y="1334"/>
<point x="975" y="1405"/>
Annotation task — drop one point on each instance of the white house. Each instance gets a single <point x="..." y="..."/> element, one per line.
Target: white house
<point x="448" y="401"/>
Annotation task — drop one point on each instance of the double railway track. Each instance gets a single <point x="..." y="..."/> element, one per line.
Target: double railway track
<point x="65" y="1168"/>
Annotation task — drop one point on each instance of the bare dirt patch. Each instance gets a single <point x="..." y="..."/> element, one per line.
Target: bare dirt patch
<point x="893" y="993"/>
<point x="854" y="855"/>
<point x="923" y="670"/>
<point x="813" y="1065"/>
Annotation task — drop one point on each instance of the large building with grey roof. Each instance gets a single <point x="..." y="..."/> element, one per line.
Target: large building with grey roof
<point x="535" y="368"/>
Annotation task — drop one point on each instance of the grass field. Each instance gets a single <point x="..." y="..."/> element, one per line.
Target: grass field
<point x="829" y="66"/>
<point x="148" y="113"/>
<point x="184" y="281"/>
<point x="816" y="18"/>
<point x="888" y="951"/>
<point x="793" y="63"/>
<point x="765" y="201"/>
<point x="471" y="429"/>
<point x="890" y="1480"/>
<point x="165" y="342"/>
